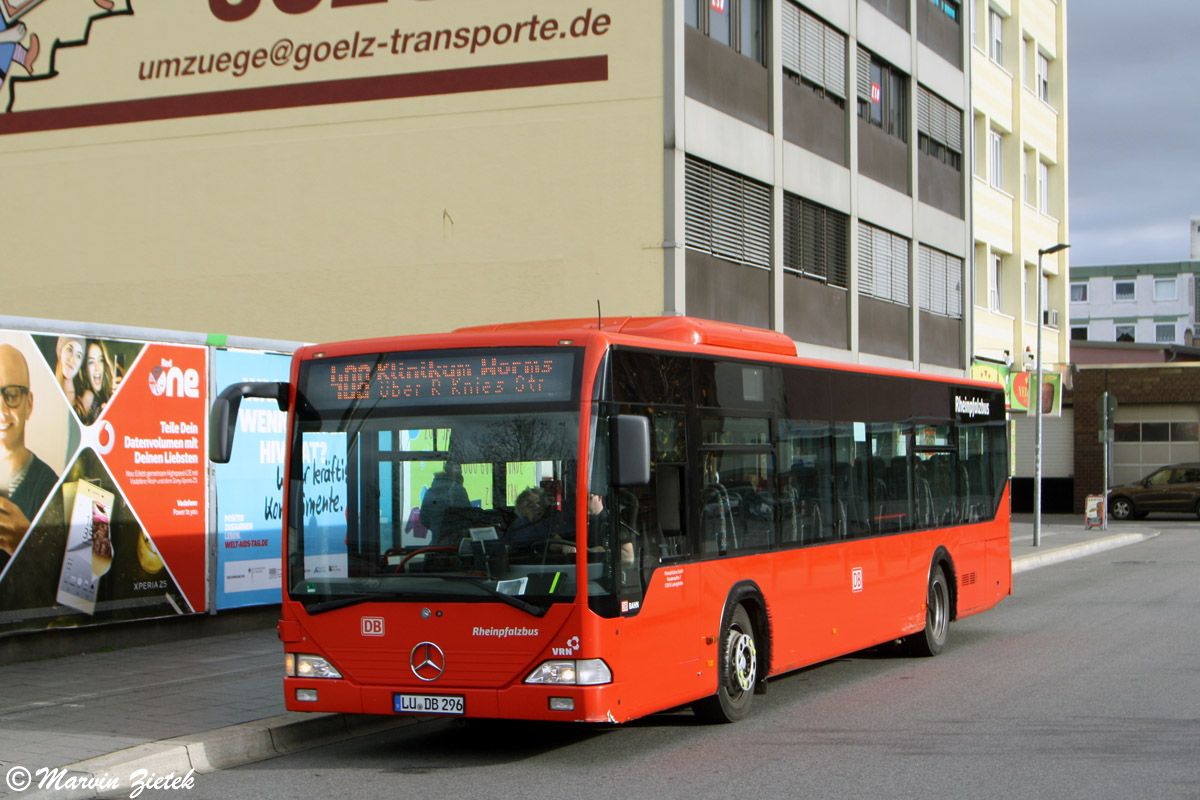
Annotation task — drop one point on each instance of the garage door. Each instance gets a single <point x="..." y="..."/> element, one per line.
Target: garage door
<point x="1058" y="445"/>
<point x="1149" y="436"/>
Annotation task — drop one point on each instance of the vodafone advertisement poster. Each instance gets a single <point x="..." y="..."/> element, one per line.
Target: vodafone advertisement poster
<point x="103" y="480"/>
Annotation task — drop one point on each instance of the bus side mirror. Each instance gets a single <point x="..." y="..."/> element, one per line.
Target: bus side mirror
<point x="223" y="414"/>
<point x="631" y="450"/>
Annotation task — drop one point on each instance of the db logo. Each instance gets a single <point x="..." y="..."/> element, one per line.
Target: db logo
<point x="856" y="582"/>
<point x="372" y="626"/>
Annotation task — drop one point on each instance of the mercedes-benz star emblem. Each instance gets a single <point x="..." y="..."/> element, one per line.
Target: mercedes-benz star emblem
<point x="428" y="662"/>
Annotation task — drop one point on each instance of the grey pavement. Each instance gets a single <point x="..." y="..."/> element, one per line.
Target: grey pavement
<point x="216" y="702"/>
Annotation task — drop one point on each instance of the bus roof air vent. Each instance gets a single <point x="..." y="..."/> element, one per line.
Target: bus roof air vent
<point x="685" y="330"/>
<point x="690" y="330"/>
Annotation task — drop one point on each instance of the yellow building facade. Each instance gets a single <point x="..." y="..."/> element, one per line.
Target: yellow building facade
<point x="1019" y="99"/>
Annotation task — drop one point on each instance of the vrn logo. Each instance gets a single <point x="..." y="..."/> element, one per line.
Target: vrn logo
<point x="168" y="379"/>
<point x="571" y="648"/>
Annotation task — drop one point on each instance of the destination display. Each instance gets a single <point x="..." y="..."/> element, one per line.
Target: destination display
<point x="399" y="379"/>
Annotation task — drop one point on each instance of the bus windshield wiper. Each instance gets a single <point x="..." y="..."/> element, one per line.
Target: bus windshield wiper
<point x="512" y="600"/>
<point x="344" y="602"/>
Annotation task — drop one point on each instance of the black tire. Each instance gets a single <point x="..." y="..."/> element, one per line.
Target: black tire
<point x="1120" y="508"/>
<point x="932" y="640"/>
<point x="738" y="669"/>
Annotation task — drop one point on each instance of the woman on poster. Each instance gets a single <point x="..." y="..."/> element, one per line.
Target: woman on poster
<point x="94" y="384"/>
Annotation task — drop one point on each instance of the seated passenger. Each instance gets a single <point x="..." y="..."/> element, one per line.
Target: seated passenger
<point x="537" y="526"/>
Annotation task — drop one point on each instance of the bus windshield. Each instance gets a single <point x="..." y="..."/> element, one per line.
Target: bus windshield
<point x="399" y="495"/>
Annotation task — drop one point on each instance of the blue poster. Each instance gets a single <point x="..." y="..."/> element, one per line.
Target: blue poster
<point x="249" y="489"/>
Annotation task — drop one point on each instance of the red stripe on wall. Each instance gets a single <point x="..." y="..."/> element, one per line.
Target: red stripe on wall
<point x="350" y="90"/>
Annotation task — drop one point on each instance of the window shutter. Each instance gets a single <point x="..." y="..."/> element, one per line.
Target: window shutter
<point x="924" y="125"/>
<point x="791" y="37"/>
<point x="899" y="268"/>
<point x="864" y="74"/>
<point x="938" y="119"/>
<point x="954" y="304"/>
<point x="835" y="62"/>
<point x="940" y="282"/>
<point x="925" y="277"/>
<point x="814" y="253"/>
<point x="954" y="134"/>
<point x="815" y="240"/>
<point x="837" y="235"/>
<point x="812" y="48"/>
<point x="756" y="222"/>
<point x="793" y="239"/>
<point x="866" y="259"/>
<point x="727" y="216"/>
<point x="697" y="203"/>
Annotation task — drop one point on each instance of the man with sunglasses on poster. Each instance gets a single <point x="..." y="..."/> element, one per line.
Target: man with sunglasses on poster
<point x="25" y="479"/>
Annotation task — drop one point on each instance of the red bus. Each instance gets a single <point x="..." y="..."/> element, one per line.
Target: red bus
<point x="598" y="520"/>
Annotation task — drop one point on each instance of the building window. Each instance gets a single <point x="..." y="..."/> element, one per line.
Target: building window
<point x="939" y="128"/>
<point x="951" y="8"/>
<point x="726" y="214"/>
<point x="1164" y="290"/>
<point x="1124" y="291"/>
<point x="1044" y="187"/>
<point x="815" y="241"/>
<point x="1079" y="292"/>
<point x="882" y="95"/>
<point x="996" y="36"/>
<point x="1125" y="333"/>
<point x="1043" y="77"/>
<point x="1164" y="333"/>
<point x="940" y="276"/>
<point x="814" y="54"/>
<point x="1079" y="334"/>
<point x="1026" y="176"/>
<point x="882" y="264"/>
<point x="737" y="24"/>
<point x="995" y="285"/>
<point x="997" y="149"/>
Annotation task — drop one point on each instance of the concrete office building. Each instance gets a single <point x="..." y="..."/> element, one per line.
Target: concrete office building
<point x="316" y="170"/>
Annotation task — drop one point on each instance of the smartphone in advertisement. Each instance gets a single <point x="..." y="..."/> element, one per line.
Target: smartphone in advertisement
<point x="89" y="553"/>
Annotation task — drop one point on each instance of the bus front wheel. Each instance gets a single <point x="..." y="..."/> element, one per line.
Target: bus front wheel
<point x="738" y="672"/>
<point x="932" y="640"/>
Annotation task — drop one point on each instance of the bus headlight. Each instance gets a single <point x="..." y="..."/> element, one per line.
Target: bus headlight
<point x="299" y="665"/>
<point x="582" y="672"/>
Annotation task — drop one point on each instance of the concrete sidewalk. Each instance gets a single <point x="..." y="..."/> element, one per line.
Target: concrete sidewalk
<point x="217" y="702"/>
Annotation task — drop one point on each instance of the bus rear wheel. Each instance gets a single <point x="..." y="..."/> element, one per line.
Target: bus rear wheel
<point x="738" y="670"/>
<point x="932" y="640"/>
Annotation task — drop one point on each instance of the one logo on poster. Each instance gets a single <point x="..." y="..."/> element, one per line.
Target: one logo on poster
<point x="169" y="380"/>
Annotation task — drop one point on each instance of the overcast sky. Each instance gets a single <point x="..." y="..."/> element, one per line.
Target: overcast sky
<point x="1134" y="127"/>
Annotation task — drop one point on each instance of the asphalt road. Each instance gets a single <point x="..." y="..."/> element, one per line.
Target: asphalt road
<point x="1084" y="684"/>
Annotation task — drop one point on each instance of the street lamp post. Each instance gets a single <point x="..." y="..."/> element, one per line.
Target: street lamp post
<point x="1036" y="401"/>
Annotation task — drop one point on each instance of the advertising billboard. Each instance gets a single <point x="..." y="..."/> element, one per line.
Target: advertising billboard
<point x="249" y="489"/>
<point x="103" y="480"/>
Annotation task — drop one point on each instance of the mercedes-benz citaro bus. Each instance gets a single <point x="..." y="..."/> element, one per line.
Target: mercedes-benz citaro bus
<point x="595" y="520"/>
